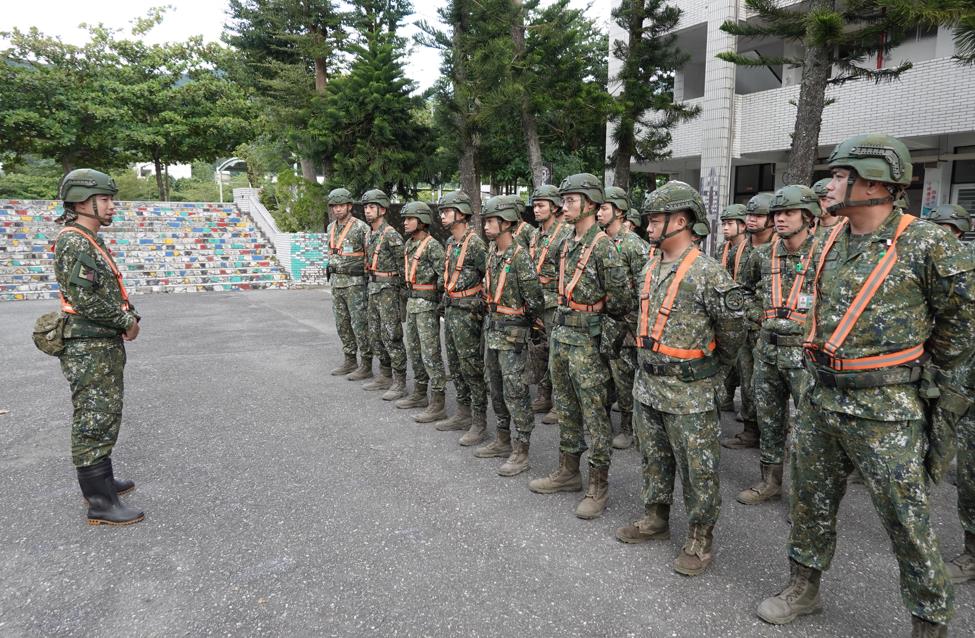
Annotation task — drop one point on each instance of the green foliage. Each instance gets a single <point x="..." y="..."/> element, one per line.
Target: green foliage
<point x="20" y="186"/>
<point x="300" y="205"/>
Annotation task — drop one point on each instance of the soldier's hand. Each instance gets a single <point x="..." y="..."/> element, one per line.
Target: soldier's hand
<point x="132" y="332"/>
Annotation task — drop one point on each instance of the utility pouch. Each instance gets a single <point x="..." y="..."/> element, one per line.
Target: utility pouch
<point x="49" y="333"/>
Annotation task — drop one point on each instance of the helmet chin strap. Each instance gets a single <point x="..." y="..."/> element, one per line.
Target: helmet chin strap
<point x="664" y="235"/>
<point x="795" y="232"/>
<point x="96" y="216"/>
<point x="768" y="224"/>
<point x="852" y="203"/>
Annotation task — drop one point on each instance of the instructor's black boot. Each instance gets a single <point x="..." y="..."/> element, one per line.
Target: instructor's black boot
<point x="122" y="486"/>
<point x="104" y="508"/>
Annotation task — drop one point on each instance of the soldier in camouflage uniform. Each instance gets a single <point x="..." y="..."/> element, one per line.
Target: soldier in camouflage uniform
<point x="384" y="265"/>
<point x="877" y="365"/>
<point x="544" y="252"/>
<point x="346" y="238"/>
<point x="594" y="297"/>
<point x="758" y="228"/>
<point x="514" y="300"/>
<point x="423" y="273"/>
<point x="827" y="220"/>
<point x="633" y="221"/>
<point x="689" y="333"/>
<point x="961" y="568"/>
<point x="633" y="251"/>
<point x="464" y="265"/>
<point x="731" y="255"/>
<point x="524" y="233"/>
<point x="776" y="280"/>
<point x="98" y="319"/>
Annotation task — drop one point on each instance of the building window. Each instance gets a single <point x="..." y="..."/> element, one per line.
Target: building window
<point x="753" y="179"/>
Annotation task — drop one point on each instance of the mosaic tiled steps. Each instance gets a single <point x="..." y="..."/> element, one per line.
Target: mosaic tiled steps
<point x="160" y="247"/>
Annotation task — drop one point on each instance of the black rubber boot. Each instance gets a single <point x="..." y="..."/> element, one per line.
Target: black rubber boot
<point x="122" y="486"/>
<point x="104" y="507"/>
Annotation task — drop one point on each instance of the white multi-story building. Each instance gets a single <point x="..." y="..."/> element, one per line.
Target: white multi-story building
<point x="739" y="144"/>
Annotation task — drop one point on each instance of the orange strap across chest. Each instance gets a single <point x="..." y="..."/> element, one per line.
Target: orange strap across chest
<point x="502" y="281"/>
<point x="565" y="292"/>
<point x="738" y="254"/>
<point x="787" y="310"/>
<point x="451" y="282"/>
<point x="65" y="305"/>
<point x="335" y="246"/>
<point x="409" y="269"/>
<point x="375" y="254"/>
<point x="540" y="260"/>
<point x="651" y="338"/>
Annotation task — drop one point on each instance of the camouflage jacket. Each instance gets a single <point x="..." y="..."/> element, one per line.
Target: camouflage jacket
<point x="428" y="270"/>
<point x="928" y="298"/>
<point x="633" y="251"/>
<point x="346" y="259"/>
<point x="708" y="308"/>
<point x="472" y="270"/>
<point x="89" y="286"/>
<point x="733" y="256"/>
<point x="524" y="234"/>
<point x="384" y="253"/>
<point x="544" y="252"/>
<point x="604" y="279"/>
<point x="521" y="290"/>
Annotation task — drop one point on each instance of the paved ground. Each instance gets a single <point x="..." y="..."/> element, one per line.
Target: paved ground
<point x="282" y="501"/>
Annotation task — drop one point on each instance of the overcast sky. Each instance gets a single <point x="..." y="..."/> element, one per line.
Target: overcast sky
<point x="206" y="18"/>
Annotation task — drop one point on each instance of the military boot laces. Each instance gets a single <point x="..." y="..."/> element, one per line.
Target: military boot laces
<point x="383" y="382"/>
<point x="654" y="526"/>
<point x="435" y="410"/>
<point x="475" y="434"/>
<point x="364" y="371"/>
<point x="961" y="568"/>
<point x="769" y="488"/>
<point x="597" y="494"/>
<point x="799" y="598"/>
<point x="696" y="555"/>
<point x="624" y="439"/>
<point x="349" y="366"/>
<point x="517" y="461"/>
<point x="565" y="479"/>
<point x="500" y="447"/>
<point x="921" y="628"/>
<point x="460" y="421"/>
<point x="398" y="389"/>
<point x="416" y="400"/>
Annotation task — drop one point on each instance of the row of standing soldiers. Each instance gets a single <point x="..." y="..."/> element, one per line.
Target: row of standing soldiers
<point x="836" y="297"/>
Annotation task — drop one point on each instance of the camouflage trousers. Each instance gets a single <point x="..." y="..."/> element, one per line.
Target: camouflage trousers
<point x="731" y="382"/>
<point x="350" y="307"/>
<point x="579" y="377"/>
<point x="890" y="456"/>
<point x="94" y="370"/>
<point x="465" y="356"/>
<point x="543" y="350"/>
<point x="746" y="370"/>
<point x="966" y="471"/>
<point x="773" y="385"/>
<point x="386" y="329"/>
<point x="623" y="368"/>
<point x="684" y="443"/>
<point x="423" y="344"/>
<point x="505" y="372"/>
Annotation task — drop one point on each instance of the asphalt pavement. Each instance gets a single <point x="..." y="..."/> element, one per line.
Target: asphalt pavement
<point x="281" y="501"/>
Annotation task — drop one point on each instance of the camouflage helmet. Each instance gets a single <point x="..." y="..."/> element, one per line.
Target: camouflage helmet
<point x="458" y="200"/>
<point x="733" y="212"/>
<point x="506" y="207"/>
<point x="339" y="196"/>
<point x="375" y="196"/>
<point x="758" y="205"/>
<point x="617" y="197"/>
<point x="417" y="210"/>
<point x="548" y="192"/>
<point x="875" y="157"/>
<point x="584" y="184"/>
<point x="676" y="196"/>
<point x="951" y="215"/>
<point x="820" y="187"/>
<point x="82" y="183"/>
<point x="633" y="216"/>
<point x="796" y="196"/>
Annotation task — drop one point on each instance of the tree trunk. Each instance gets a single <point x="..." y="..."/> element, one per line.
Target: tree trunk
<point x="308" y="170"/>
<point x="470" y="177"/>
<point x="809" y="116"/>
<point x="157" y="164"/>
<point x="626" y="127"/>
<point x="529" y="126"/>
<point x="625" y="131"/>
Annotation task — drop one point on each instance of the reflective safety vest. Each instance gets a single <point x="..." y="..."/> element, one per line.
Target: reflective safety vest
<point x="335" y="246"/>
<point x="451" y="282"/>
<point x="409" y="270"/>
<point x="65" y="305"/>
<point x="787" y="310"/>
<point x="565" y="292"/>
<point x="502" y="280"/>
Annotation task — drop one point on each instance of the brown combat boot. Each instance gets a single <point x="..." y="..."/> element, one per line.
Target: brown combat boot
<point x="550" y="418"/>
<point x="383" y="382"/>
<point x="799" y="598"/>
<point x="747" y="438"/>
<point x="416" y="400"/>
<point x="624" y="439"/>
<point x="594" y="502"/>
<point x="398" y="389"/>
<point x="475" y="434"/>
<point x="961" y="568"/>
<point x="517" y="462"/>
<point x="435" y="410"/>
<point x="696" y="555"/>
<point x="347" y="367"/>
<point x="770" y="487"/>
<point x="543" y="402"/>
<point x="921" y="628"/>
<point x="364" y="371"/>
<point x="564" y="479"/>
<point x="460" y="421"/>
<point x="654" y="526"/>
<point x="500" y="447"/>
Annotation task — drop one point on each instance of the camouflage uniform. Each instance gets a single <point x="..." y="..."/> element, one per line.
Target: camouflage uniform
<point x="544" y="251"/>
<point x="524" y="234"/>
<point x="422" y="318"/>
<point x="384" y="261"/>
<point x="463" y="319"/>
<point x="348" y="279"/>
<point x="94" y="355"/>
<point x="633" y="251"/>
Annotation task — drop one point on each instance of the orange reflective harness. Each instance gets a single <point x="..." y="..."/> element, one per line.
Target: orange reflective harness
<point x="540" y="261"/>
<point x="492" y="300"/>
<point x="371" y="267"/>
<point x="565" y="292"/>
<point x="65" y="305"/>
<point x="451" y="282"/>
<point x="335" y="246"/>
<point x="738" y="254"/>
<point x="651" y="338"/>
<point x="410" y="272"/>
<point x="778" y="310"/>
<point x="826" y="355"/>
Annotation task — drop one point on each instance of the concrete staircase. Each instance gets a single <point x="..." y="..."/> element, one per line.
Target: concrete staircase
<point x="158" y="246"/>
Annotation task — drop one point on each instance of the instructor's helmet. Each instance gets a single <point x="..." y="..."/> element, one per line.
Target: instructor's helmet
<point x="82" y="183"/>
